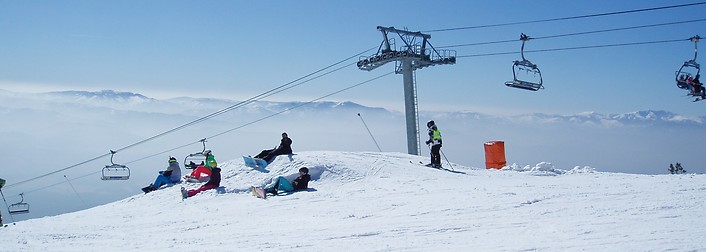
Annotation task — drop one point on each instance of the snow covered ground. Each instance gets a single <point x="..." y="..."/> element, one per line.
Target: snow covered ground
<point x="368" y="201"/>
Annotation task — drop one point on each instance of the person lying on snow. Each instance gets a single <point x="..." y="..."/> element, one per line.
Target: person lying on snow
<point x="285" y="147"/>
<point x="282" y="184"/>
<point x="214" y="181"/>
<point x="171" y="175"/>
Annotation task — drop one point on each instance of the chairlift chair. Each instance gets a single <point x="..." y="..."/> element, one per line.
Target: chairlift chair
<point x="689" y="69"/>
<point x="20" y="207"/>
<point x="197" y="158"/>
<point x="525" y="74"/>
<point x="115" y="171"/>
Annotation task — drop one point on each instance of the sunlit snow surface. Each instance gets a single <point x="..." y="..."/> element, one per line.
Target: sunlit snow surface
<point x="369" y="201"/>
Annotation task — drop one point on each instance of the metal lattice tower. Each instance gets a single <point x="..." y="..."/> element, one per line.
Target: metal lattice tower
<point x="416" y="53"/>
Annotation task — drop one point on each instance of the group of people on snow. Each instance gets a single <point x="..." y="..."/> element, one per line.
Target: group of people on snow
<point x="208" y="171"/>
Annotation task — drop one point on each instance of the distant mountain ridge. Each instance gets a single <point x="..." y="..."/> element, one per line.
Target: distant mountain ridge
<point x="103" y="94"/>
<point x="138" y="102"/>
<point x="630" y="118"/>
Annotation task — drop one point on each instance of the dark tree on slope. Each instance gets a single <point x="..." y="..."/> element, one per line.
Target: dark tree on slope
<point x="676" y="169"/>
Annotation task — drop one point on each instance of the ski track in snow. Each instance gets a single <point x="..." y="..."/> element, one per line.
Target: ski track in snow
<point x="368" y="201"/>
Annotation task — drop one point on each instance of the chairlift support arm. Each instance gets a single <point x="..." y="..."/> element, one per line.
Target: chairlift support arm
<point x="524" y="38"/>
<point x="695" y="39"/>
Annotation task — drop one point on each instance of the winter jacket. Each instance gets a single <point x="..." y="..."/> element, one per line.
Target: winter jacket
<point x="215" y="178"/>
<point x="285" y="146"/>
<point x="434" y="136"/>
<point x="175" y="171"/>
<point x="301" y="182"/>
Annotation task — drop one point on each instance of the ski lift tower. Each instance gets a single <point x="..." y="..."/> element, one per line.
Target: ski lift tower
<point x="416" y="52"/>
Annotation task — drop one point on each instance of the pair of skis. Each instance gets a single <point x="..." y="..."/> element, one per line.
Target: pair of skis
<point x="431" y="166"/>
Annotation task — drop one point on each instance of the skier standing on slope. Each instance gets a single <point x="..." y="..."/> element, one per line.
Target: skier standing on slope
<point x="435" y="141"/>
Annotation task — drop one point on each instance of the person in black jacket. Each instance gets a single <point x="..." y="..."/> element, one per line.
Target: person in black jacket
<point x="282" y="184"/>
<point x="214" y="181"/>
<point x="285" y="147"/>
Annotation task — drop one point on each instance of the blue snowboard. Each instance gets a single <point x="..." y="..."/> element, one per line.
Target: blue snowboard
<point x="254" y="162"/>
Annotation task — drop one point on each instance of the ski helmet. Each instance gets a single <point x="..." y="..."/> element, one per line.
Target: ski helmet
<point x="172" y="159"/>
<point x="430" y="123"/>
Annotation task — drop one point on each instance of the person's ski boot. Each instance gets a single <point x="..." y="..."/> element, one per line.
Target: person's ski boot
<point x="149" y="188"/>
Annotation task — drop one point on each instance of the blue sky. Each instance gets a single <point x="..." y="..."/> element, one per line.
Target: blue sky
<point x="237" y="49"/>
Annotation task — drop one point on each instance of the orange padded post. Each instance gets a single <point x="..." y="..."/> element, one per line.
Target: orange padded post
<point x="495" y="154"/>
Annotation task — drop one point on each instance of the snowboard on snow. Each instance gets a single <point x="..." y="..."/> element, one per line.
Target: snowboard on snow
<point x="259" y="192"/>
<point x="254" y="162"/>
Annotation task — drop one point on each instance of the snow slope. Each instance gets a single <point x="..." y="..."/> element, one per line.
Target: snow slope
<point x="369" y="201"/>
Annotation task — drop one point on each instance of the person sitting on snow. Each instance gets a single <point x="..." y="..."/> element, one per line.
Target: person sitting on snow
<point x="285" y="147"/>
<point x="171" y="175"/>
<point x="282" y="184"/>
<point x="202" y="172"/>
<point x="210" y="160"/>
<point x="214" y="181"/>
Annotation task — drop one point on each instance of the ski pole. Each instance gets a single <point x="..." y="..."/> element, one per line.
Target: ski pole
<point x="447" y="160"/>
<point x="371" y="134"/>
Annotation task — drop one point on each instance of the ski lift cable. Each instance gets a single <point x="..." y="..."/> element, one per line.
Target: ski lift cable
<point x="578" y="33"/>
<point x="227" y="131"/>
<point x="573" y="48"/>
<point x="568" y="18"/>
<point x="242" y="103"/>
<point x="185" y="145"/>
<point x="219" y="112"/>
<point x="304" y="104"/>
<point x="622" y="29"/>
<point x="163" y="152"/>
<point x="273" y="93"/>
<point x="61" y="182"/>
<point x="57" y="171"/>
